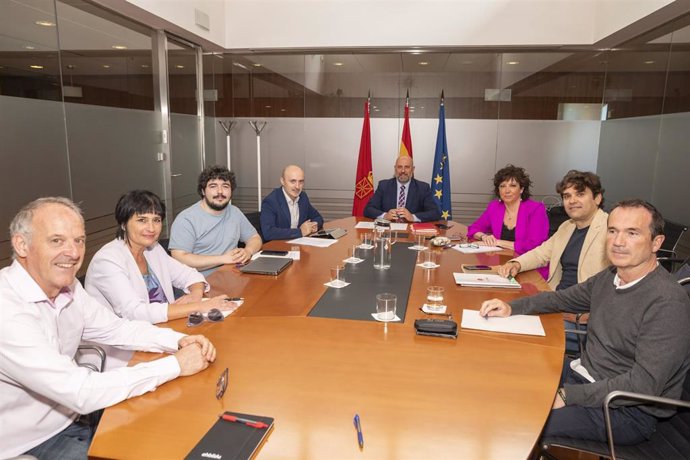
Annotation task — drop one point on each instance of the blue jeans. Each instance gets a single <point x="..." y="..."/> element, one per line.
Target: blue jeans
<point x="630" y="424"/>
<point x="72" y="443"/>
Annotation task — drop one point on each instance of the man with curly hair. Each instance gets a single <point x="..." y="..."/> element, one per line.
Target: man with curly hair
<point x="205" y="235"/>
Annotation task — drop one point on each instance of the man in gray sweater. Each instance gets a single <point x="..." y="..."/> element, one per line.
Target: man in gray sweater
<point x="637" y="340"/>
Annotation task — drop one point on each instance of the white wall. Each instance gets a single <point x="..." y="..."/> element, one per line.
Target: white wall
<point x="613" y="15"/>
<point x="253" y="24"/>
<point x="275" y="24"/>
<point x="181" y="13"/>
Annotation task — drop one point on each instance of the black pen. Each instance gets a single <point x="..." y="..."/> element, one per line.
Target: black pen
<point x="360" y="437"/>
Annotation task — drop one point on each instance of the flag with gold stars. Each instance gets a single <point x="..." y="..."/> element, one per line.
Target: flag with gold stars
<point x="440" y="179"/>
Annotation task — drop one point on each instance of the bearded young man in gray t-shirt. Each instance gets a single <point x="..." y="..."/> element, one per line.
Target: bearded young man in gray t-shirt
<point x="205" y="235"/>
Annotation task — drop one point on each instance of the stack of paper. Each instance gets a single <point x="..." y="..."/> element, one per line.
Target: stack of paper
<point x="476" y="249"/>
<point x="485" y="280"/>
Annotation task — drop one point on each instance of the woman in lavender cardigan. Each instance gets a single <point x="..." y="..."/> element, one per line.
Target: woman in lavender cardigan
<point x="513" y="221"/>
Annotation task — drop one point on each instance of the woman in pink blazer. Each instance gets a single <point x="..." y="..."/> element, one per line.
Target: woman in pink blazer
<point x="513" y="221"/>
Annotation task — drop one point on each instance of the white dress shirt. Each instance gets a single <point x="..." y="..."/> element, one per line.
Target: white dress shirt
<point x="42" y="390"/>
<point x="293" y="207"/>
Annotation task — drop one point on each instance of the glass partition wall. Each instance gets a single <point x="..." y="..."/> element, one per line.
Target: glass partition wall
<point x="85" y="112"/>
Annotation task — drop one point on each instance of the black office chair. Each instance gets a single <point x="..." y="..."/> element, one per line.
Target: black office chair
<point x="673" y="232"/>
<point x="164" y="242"/>
<point x="670" y="441"/>
<point x="91" y="357"/>
<point x="557" y="216"/>
<point x="255" y="220"/>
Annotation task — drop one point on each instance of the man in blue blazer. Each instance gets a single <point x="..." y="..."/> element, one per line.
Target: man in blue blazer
<point x="403" y="198"/>
<point x="286" y="212"/>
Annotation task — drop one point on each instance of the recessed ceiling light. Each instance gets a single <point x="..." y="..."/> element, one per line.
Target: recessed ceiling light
<point x="29" y="47"/>
<point x="45" y="23"/>
<point x="145" y="66"/>
<point x="38" y="67"/>
<point x="256" y="64"/>
<point x="423" y="63"/>
<point x="513" y="62"/>
<point x="422" y="107"/>
<point x="119" y="47"/>
<point x="267" y="106"/>
<point x="649" y="62"/>
<point x="282" y="110"/>
<point x="105" y="66"/>
<point x="337" y="64"/>
<point x="411" y="110"/>
<point x="377" y="110"/>
<point x="374" y="107"/>
<point x="179" y="66"/>
<point x="71" y="66"/>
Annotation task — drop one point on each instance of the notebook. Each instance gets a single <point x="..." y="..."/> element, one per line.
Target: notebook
<point x="485" y="280"/>
<point x="230" y="440"/>
<point x="267" y="265"/>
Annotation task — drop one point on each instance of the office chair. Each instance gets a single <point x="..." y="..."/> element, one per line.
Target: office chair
<point x="164" y="242"/>
<point x="551" y="201"/>
<point x="556" y="216"/>
<point x="670" y="441"/>
<point x="673" y="232"/>
<point x="254" y="219"/>
<point x="85" y="358"/>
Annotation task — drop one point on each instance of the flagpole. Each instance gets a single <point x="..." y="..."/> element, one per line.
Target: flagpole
<point x="258" y="127"/>
<point x="227" y="127"/>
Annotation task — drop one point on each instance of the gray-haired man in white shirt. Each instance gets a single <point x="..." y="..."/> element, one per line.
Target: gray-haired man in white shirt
<point x="44" y="315"/>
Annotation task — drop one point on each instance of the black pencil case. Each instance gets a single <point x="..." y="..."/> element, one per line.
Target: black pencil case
<point x="437" y="327"/>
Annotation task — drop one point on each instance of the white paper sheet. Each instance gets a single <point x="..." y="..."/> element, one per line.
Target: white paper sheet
<point x="365" y="225"/>
<point x="398" y="227"/>
<point x="317" y="242"/>
<point x="479" y="250"/>
<point x="517" y="324"/>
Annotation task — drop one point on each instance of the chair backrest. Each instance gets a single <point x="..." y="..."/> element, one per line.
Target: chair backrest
<point x="254" y="218"/>
<point x="682" y="275"/>
<point x="673" y="232"/>
<point x="557" y="216"/>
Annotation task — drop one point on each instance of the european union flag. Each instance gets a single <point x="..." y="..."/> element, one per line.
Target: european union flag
<point x="440" y="180"/>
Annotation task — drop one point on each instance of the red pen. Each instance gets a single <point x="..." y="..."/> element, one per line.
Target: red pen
<point x="246" y="421"/>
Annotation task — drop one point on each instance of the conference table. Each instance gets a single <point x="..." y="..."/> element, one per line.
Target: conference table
<point x="484" y="395"/>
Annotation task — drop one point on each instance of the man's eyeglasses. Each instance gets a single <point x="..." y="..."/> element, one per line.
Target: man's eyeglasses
<point x="222" y="384"/>
<point x="195" y="318"/>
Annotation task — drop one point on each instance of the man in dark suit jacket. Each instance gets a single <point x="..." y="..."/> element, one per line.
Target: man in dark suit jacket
<point x="403" y="197"/>
<point x="286" y="212"/>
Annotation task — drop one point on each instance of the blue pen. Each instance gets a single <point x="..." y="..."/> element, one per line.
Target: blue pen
<point x="358" y="426"/>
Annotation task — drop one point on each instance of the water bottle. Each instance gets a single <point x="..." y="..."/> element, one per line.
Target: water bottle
<point x="382" y="244"/>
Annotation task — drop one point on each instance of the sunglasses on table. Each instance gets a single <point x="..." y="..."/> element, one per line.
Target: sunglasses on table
<point x="213" y="315"/>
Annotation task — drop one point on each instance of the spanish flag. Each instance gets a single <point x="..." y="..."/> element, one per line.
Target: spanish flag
<point x="364" y="180"/>
<point x="406" y="141"/>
